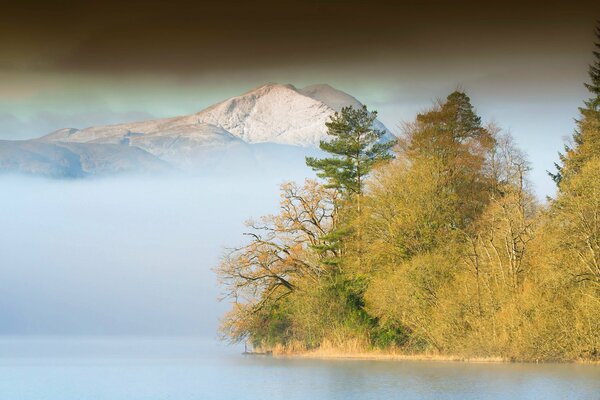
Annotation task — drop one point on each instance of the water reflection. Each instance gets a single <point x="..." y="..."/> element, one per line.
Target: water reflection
<point x="189" y="368"/>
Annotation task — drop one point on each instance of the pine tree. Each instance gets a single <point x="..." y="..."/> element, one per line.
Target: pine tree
<point x="586" y="139"/>
<point x="452" y="137"/>
<point x="356" y="146"/>
<point x="594" y="71"/>
<point x="443" y="131"/>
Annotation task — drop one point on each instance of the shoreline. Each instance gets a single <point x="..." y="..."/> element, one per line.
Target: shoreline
<point x="374" y="356"/>
<point x="368" y="356"/>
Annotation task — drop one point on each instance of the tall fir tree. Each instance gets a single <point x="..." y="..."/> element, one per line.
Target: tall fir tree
<point x="586" y="139"/>
<point x="444" y="131"/>
<point x="355" y="145"/>
<point x="452" y="137"/>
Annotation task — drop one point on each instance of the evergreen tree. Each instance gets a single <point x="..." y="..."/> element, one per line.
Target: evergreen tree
<point x="586" y="139"/>
<point x="445" y="131"/>
<point x="594" y="71"/>
<point x="355" y="148"/>
<point x="452" y="137"/>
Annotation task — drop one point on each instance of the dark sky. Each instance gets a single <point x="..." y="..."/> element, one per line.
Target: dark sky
<point x="83" y="63"/>
<point x="195" y="38"/>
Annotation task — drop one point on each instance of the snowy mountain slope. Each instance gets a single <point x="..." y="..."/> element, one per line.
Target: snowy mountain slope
<point x="270" y="114"/>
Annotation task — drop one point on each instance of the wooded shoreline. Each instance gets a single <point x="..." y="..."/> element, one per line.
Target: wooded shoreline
<point x="432" y="243"/>
<point x="353" y="350"/>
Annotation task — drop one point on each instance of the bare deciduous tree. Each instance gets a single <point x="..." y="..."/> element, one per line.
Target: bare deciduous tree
<point x="280" y="252"/>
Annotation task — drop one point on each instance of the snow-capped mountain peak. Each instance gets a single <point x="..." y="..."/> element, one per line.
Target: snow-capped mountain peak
<point x="269" y="115"/>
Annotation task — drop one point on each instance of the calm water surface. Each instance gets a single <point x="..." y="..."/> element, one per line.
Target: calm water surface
<point x="185" y="369"/>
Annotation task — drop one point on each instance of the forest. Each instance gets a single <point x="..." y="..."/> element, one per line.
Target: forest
<point x="431" y="243"/>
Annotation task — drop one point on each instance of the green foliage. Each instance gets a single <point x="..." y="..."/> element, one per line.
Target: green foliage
<point x="389" y="336"/>
<point x="272" y="327"/>
<point x="330" y="245"/>
<point x="355" y="147"/>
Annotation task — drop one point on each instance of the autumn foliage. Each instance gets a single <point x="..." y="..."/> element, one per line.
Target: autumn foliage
<point x="442" y="248"/>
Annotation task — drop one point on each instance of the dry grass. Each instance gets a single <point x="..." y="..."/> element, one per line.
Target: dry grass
<point x="380" y="355"/>
<point x="336" y="354"/>
<point x="357" y="350"/>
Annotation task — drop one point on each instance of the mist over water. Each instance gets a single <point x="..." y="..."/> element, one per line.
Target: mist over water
<point x="108" y="293"/>
<point x="197" y="369"/>
<point x="92" y="271"/>
<point x="122" y="256"/>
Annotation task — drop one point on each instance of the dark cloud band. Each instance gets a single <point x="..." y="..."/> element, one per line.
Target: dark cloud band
<point x="196" y="38"/>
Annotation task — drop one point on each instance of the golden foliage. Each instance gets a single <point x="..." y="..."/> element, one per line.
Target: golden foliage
<point x="450" y="255"/>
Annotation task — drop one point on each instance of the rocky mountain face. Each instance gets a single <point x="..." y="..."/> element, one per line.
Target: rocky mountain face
<point x="240" y="130"/>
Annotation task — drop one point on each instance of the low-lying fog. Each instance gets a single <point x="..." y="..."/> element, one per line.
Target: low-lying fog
<point x="122" y="256"/>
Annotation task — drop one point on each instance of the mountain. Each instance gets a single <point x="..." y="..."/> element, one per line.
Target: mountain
<point x="237" y="129"/>
<point x="75" y="160"/>
<point x="335" y="99"/>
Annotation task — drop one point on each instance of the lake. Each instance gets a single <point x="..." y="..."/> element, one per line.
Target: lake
<point x="115" y="368"/>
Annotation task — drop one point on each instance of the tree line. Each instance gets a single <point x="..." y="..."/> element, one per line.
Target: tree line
<point x="429" y="243"/>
